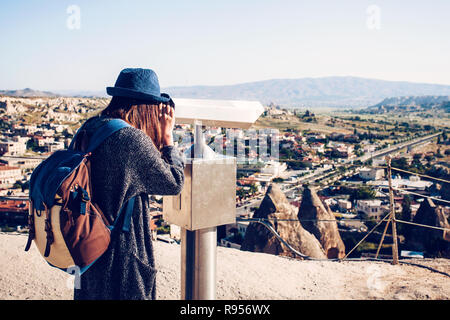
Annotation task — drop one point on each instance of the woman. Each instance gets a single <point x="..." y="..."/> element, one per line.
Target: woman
<point x="136" y="162"/>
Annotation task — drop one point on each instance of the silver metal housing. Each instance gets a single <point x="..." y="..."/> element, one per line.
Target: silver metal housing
<point x="208" y="198"/>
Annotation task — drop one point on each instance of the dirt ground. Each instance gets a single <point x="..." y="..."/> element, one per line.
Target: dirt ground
<point x="240" y="275"/>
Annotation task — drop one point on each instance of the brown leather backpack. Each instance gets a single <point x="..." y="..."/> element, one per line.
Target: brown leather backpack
<point x="67" y="226"/>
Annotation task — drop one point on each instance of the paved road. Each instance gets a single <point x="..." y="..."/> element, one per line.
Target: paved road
<point x="396" y="147"/>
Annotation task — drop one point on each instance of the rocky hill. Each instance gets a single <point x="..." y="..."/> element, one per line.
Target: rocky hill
<point x="412" y="104"/>
<point x="315" y="239"/>
<point x="259" y="239"/>
<point x="325" y="229"/>
<point x="434" y="242"/>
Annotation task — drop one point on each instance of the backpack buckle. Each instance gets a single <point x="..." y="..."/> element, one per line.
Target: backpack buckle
<point x="84" y="195"/>
<point x="84" y="199"/>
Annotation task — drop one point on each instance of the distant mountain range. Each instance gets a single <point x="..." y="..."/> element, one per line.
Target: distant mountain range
<point x="304" y="92"/>
<point x="27" y="92"/>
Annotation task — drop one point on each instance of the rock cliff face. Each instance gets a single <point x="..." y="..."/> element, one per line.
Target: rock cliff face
<point x="435" y="243"/>
<point x="312" y="208"/>
<point x="259" y="239"/>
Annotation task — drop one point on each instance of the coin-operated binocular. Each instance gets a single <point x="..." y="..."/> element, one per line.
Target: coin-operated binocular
<point x="208" y="198"/>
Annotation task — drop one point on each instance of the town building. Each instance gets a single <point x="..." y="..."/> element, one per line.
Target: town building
<point x="318" y="147"/>
<point x="42" y="141"/>
<point x="274" y="168"/>
<point x="12" y="148"/>
<point x="14" y="212"/>
<point x="54" y="146"/>
<point x="343" y="151"/>
<point x="371" y="208"/>
<point x="371" y="173"/>
<point x="344" y="204"/>
<point x="413" y="183"/>
<point x="9" y="176"/>
<point x="23" y="163"/>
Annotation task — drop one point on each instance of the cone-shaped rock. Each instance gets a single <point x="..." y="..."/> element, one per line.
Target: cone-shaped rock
<point x="433" y="242"/>
<point x="312" y="208"/>
<point x="259" y="239"/>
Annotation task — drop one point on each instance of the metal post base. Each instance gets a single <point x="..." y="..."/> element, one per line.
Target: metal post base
<point x="198" y="264"/>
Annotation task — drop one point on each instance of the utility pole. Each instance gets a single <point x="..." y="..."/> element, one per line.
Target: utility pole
<point x="392" y="211"/>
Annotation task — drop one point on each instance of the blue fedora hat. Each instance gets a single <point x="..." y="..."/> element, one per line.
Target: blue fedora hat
<point x="137" y="83"/>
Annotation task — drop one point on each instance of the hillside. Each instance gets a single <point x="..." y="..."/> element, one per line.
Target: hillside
<point x="27" y="92"/>
<point x="240" y="275"/>
<point x="412" y="103"/>
<point x="326" y="91"/>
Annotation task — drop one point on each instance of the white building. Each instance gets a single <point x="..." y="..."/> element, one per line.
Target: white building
<point x="371" y="208"/>
<point x="9" y="176"/>
<point x="12" y="148"/>
<point x="413" y="183"/>
<point x="369" y="148"/>
<point x="274" y="168"/>
<point x="43" y="141"/>
<point x="52" y="147"/>
<point x="318" y="147"/>
<point x="371" y="173"/>
<point x="20" y="139"/>
<point x="23" y="163"/>
<point x="344" y="204"/>
<point x="29" y="129"/>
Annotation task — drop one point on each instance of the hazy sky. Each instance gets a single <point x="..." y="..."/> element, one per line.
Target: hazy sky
<point x="45" y="46"/>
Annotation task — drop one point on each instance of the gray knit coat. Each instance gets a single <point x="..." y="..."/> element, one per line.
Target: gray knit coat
<point x="125" y="165"/>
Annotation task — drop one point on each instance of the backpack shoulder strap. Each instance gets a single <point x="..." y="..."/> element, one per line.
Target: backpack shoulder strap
<point x="104" y="132"/>
<point x="100" y="134"/>
<point x="127" y="211"/>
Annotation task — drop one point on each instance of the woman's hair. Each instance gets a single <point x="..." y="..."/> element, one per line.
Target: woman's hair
<point x="139" y="114"/>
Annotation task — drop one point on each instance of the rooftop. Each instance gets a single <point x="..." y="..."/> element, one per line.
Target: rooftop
<point x="8" y="168"/>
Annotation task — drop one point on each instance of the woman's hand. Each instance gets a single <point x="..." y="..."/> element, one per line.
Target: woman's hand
<point x="167" y="121"/>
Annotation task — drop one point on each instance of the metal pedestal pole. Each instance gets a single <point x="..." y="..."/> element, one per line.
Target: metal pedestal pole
<point x="198" y="264"/>
<point x="198" y="250"/>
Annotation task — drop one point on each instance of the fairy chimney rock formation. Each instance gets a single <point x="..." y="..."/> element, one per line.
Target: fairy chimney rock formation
<point x="435" y="243"/>
<point x="312" y="208"/>
<point x="259" y="239"/>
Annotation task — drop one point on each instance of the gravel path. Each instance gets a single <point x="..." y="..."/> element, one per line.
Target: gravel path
<point x="240" y="275"/>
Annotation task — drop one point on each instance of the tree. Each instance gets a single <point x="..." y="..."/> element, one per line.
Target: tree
<point x="363" y="193"/>
<point x="417" y="157"/>
<point x="405" y="215"/>
<point x="253" y="188"/>
<point x="241" y="193"/>
<point x="429" y="158"/>
<point x="400" y="163"/>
